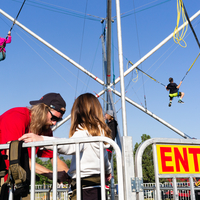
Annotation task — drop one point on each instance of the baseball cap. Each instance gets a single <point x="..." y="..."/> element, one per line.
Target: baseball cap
<point x="110" y="112"/>
<point x="53" y="100"/>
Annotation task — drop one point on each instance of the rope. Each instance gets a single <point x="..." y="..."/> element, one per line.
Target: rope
<point x="191" y="25"/>
<point x="147" y="75"/>
<point x="190" y="67"/>
<point x="141" y="9"/>
<point x="150" y="76"/>
<point x="16" y="17"/>
<point x="59" y="9"/>
<point x="4" y="44"/>
<point x="81" y="47"/>
<point x="136" y="78"/>
<point x="160" y="82"/>
<point x="178" y="38"/>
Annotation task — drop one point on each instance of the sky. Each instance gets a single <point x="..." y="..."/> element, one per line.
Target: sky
<point x="31" y="69"/>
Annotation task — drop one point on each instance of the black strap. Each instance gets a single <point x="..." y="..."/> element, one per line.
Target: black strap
<point x="4" y="192"/>
<point x="16" y="17"/>
<point x="191" y="25"/>
<point x="19" y="163"/>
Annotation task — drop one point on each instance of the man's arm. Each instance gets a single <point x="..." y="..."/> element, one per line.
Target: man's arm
<point x="62" y="170"/>
<point x="39" y="169"/>
<point x="61" y="166"/>
<point x="166" y="88"/>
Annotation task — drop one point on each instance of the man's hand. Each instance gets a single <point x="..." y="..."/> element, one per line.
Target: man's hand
<point x="63" y="176"/>
<point x="31" y="137"/>
<point x="108" y="177"/>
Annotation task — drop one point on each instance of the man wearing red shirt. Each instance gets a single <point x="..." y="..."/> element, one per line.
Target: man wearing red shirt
<point x="21" y="120"/>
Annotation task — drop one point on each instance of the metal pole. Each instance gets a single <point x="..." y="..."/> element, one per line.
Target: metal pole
<point x="128" y="167"/>
<point x="102" y="167"/>
<point x="121" y="68"/>
<point x="33" y="173"/>
<point x="53" y="48"/>
<point x="157" y="196"/>
<point x="192" y="188"/>
<point x="155" y="49"/>
<point x="55" y="153"/>
<point x="175" y="191"/>
<point x="108" y="47"/>
<point x="118" y="136"/>
<point x="152" y="115"/>
<point x="104" y="67"/>
<point x="78" y="172"/>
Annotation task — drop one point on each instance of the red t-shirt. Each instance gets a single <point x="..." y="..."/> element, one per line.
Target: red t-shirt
<point x="13" y="124"/>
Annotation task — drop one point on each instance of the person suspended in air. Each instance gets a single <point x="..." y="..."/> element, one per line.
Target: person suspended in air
<point x="173" y="89"/>
<point x="3" y="42"/>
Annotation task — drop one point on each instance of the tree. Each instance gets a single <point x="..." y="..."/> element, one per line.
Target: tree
<point x="47" y="163"/>
<point x="115" y="167"/>
<point x="147" y="161"/>
<point x="40" y="179"/>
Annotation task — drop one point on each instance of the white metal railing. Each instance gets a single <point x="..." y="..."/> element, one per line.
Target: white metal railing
<point x="77" y="142"/>
<point x="174" y="186"/>
<point x="46" y="194"/>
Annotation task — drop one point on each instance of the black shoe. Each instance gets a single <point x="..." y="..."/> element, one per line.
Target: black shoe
<point x="170" y="103"/>
<point x="180" y="101"/>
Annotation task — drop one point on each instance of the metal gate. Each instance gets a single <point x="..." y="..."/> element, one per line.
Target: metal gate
<point x="173" y="158"/>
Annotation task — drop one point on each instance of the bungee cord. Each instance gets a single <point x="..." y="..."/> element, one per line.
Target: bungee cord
<point x="17" y="15"/>
<point x="179" y="38"/>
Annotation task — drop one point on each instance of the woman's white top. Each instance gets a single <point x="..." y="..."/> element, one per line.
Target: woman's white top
<point x="89" y="155"/>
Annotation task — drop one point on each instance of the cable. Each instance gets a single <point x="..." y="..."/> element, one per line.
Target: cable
<point x="190" y="67"/>
<point x="62" y="10"/>
<point x="131" y="12"/>
<point x="81" y="47"/>
<point x="191" y="25"/>
<point x="150" y="77"/>
<point x="17" y="16"/>
<point x="4" y="44"/>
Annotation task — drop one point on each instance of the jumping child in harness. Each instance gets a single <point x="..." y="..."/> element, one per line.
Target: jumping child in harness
<point x="173" y="89"/>
<point x="3" y="42"/>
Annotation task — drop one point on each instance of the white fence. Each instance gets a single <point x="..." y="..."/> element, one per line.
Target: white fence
<point x="76" y="142"/>
<point x="174" y="190"/>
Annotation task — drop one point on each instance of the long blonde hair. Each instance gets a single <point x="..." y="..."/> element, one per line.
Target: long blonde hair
<point x="87" y="113"/>
<point x="39" y="119"/>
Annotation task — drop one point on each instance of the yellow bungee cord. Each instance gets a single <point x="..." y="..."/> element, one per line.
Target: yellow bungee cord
<point x="179" y="38"/>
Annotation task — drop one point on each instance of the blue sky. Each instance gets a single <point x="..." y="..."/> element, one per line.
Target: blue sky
<point x="73" y="27"/>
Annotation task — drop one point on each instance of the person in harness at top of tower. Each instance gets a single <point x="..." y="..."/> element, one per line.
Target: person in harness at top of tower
<point x="173" y="89"/>
<point x="3" y="42"/>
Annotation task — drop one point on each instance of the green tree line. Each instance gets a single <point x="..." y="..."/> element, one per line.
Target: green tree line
<point x="47" y="163"/>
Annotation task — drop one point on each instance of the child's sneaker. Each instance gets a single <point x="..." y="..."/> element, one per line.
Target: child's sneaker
<point x="170" y="103"/>
<point x="180" y="101"/>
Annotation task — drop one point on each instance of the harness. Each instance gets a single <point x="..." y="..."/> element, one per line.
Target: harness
<point x="19" y="171"/>
<point x="1" y="50"/>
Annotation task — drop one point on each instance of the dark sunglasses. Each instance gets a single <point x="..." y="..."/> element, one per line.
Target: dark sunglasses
<point x="54" y="118"/>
